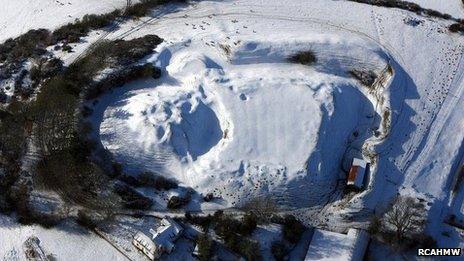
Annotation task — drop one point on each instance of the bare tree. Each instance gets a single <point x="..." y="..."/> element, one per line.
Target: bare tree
<point x="406" y="217"/>
<point x="263" y="207"/>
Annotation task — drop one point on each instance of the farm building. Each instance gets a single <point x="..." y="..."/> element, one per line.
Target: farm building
<point x="146" y="245"/>
<point x="357" y="173"/>
<point x="161" y="241"/>
<point x="328" y="246"/>
<point x="196" y="251"/>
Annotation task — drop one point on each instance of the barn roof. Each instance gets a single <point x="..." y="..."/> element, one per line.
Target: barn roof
<point x="327" y="245"/>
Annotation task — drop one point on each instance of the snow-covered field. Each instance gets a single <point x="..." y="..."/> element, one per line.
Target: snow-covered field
<point x="19" y="16"/>
<point x="232" y="116"/>
<point x="66" y="242"/>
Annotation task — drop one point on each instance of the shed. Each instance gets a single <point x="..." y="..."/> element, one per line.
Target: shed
<point x="196" y="251"/>
<point x="357" y="173"/>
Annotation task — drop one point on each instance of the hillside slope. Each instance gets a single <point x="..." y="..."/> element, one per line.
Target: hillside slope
<point x="19" y="16"/>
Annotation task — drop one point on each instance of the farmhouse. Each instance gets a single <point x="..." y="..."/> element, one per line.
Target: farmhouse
<point x="161" y="241"/>
<point x="326" y="245"/>
<point x="357" y="173"/>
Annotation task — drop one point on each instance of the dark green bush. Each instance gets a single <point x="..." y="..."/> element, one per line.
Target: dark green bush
<point x="35" y="74"/>
<point x="132" y="198"/>
<point x="304" y="57"/>
<point x="205" y="247"/>
<point x="13" y="52"/>
<point x="144" y="7"/>
<point x="292" y="229"/>
<point x="27" y="45"/>
<point x="3" y="96"/>
<point x="67" y="48"/>
<point x="149" y="179"/>
<point x="20" y="88"/>
<point x="158" y="182"/>
<point x="426" y="241"/>
<point x="203" y="222"/>
<point x="234" y="232"/>
<point x="45" y="69"/>
<point x="85" y="219"/>
<point x="51" y="68"/>
<point x="120" y="78"/>
<point x="279" y="250"/>
<point x="176" y="202"/>
<point x="365" y="77"/>
<point x="249" y="249"/>
<point x="456" y="28"/>
<point x="12" y="130"/>
<point x="413" y="7"/>
<point x="72" y="32"/>
<point x="375" y="226"/>
<point x="27" y="216"/>
<point x="249" y="224"/>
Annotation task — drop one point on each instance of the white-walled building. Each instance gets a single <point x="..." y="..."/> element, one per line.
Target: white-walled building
<point x="161" y="241"/>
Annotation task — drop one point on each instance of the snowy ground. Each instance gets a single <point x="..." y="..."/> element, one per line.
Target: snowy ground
<point x="66" y="242"/>
<point x="232" y="116"/>
<point x="121" y="230"/>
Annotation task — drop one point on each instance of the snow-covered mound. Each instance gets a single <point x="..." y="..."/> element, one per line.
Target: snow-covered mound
<point x="244" y="122"/>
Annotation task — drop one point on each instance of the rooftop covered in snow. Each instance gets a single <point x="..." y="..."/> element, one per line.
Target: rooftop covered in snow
<point x="332" y="246"/>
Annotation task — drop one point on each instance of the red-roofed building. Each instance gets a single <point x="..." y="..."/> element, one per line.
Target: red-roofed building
<point x="357" y="173"/>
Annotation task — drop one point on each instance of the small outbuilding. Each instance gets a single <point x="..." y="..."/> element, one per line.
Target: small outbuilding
<point x="196" y="251"/>
<point x="357" y="173"/>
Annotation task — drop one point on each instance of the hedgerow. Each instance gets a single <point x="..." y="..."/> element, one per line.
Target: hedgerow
<point x="404" y="5"/>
